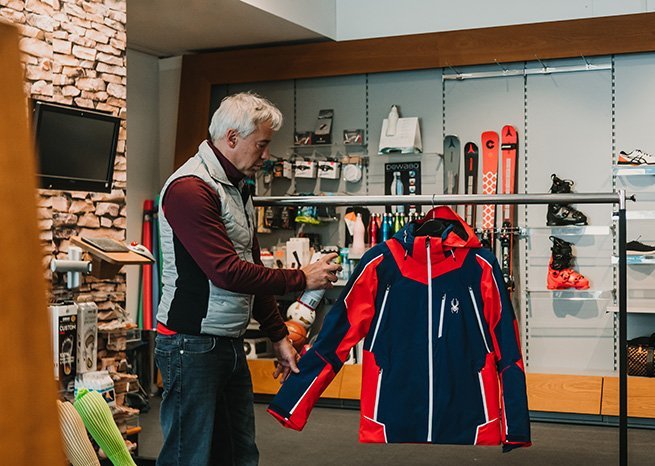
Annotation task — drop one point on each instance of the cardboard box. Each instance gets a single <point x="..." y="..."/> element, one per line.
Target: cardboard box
<point x="323" y="131"/>
<point x="63" y="320"/>
<point x="330" y="170"/>
<point x="87" y="337"/>
<point x="305" y="169"/>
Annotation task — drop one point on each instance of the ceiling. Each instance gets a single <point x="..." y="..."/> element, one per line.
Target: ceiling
<point x="169" y="27"/>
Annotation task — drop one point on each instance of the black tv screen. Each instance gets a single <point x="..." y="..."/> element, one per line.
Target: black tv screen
<point x="76" y="147"/>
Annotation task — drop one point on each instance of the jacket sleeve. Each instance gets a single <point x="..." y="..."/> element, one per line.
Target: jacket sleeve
<point x="346" y="323"/>
<point x="503" y="327"/>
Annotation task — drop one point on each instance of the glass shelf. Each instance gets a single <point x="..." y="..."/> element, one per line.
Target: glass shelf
<point x="636" y="259"/>
<point x="572" y="295"/>
<point x="627" y="170"/>
<point x="637" y="215"/>
<point x="634" y="309"/>
<point x="572" y="230"/>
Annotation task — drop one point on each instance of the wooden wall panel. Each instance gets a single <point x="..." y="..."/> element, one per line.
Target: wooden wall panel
<point x="641" y="397"/>
<point x="29" y="422"/>
<point x="564" y="393"/>
<point x="525" y="42"/>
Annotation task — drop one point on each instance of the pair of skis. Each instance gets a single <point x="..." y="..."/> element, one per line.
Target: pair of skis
<point x="490" y="144"/>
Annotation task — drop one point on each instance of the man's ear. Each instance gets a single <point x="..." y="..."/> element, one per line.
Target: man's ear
<point x="231" y="137"/>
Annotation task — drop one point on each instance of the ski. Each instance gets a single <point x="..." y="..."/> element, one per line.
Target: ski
<point x="451" y="157"/>
<point x="489" y="185"/>
<point x="470" y="180"/>
<point x="509" y="146"/>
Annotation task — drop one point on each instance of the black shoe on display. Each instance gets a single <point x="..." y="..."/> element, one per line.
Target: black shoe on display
<point x="561" y="254"/>
<point x="563" y="214"/>
<point x="638" y="248"/>
<point x="560" y="186"/>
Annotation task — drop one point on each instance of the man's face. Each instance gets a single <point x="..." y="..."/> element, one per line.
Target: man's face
<point x="252" y="151"/>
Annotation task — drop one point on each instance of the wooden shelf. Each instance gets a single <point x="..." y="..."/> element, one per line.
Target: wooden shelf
<point x="123" y="258"/>
<point x="564" y="393"/>
<point x="261" y="371"/>
<point x="107" y="264"/>
<point x="555" y="393"/>
<point x="641" y="397"/>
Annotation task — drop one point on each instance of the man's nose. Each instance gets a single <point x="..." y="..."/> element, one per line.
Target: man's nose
<point x="266" y="154"/>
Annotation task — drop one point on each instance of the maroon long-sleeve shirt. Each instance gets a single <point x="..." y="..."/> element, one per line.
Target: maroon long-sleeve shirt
<point x="193" y="210"/>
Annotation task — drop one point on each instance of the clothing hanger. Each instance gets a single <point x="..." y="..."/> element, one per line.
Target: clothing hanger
<point x="432" y="226"/>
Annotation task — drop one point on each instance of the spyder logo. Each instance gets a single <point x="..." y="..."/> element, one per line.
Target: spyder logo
<point x="454" y="305"/>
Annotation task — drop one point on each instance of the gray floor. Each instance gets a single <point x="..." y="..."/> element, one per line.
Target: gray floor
<point x="330" y="438"/>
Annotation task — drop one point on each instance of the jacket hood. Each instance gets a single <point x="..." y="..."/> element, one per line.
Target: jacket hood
<point x="443" y="228"/>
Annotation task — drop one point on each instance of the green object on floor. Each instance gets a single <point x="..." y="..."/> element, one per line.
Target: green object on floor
<point x="100" y="423"/>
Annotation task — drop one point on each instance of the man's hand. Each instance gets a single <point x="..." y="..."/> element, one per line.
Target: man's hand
<point x="286" y="359"/>
<point x="321" y="274"/>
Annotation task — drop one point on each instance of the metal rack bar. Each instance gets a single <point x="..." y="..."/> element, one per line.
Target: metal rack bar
<point x="623" y="335"/>
<point x="440" y="199"/>
<point x="525" y="72"/>
<point x="591" y="198"/>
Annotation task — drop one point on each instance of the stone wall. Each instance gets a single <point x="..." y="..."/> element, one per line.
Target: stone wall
<point x="75" y="54"/>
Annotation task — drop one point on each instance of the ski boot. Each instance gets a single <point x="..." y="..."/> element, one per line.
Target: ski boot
<point x="561" y="275"/>
<point x="563" y="214"/>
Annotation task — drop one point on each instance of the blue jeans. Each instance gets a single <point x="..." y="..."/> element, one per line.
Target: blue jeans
<point x="206" y="413"/>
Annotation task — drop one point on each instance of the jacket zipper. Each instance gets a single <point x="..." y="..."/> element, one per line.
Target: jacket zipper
<point x="443" y="305"/>
<point x="377" y="326"/>
<point x="430" y="361"/>
<point x="477" y="315"/>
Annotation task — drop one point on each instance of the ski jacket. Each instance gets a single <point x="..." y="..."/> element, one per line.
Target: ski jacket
<point x="441" y="357"/>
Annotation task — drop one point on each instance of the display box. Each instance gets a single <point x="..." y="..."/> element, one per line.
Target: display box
<point x="87" y="337"/>
<point x="63" y="318"/>
<point x="305" y="169"/>
<point x="329" y="169"/>
<point x="303" y="138"/>
<point x="353" y="136"/>
<point x="323" y="131"/>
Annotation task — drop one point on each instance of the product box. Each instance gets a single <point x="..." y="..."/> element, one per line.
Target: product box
<point x="302" y="138"/>
<point x="297" y="252"/>
<point x="287" y="169"/>
<point x="323" y="131"/>
<point x="305" y="169"/>
<point x="258" y="348"/>
<point x="63" y="318"/>
<point x="330" y="170"/>
<point x="353" y="136"/>
<point x="87" y="337"/>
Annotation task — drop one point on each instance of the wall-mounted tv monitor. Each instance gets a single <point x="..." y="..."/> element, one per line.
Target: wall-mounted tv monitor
<point x="76" y="147"/>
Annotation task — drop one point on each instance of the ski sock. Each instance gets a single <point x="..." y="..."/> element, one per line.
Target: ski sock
<point x="77" y="445"/>
<point x="98" y="420"/>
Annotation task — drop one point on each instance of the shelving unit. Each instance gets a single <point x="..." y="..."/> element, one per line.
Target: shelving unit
<point x="626" y="170"/>
<point x="587" y="230"/>
<point x="107" y="264"/>
<point x="637" y="259"/>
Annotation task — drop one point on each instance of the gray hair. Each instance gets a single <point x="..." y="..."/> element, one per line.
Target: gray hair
<point x="243" y="112"/>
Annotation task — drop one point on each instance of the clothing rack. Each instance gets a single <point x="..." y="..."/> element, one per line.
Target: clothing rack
<point x="619" y="198"/>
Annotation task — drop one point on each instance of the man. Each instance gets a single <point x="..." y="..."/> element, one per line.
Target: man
<point x="213" y="281"/>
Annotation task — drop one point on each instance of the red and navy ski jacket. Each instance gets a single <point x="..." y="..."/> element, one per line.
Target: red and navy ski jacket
<point x="442" y="359"/>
